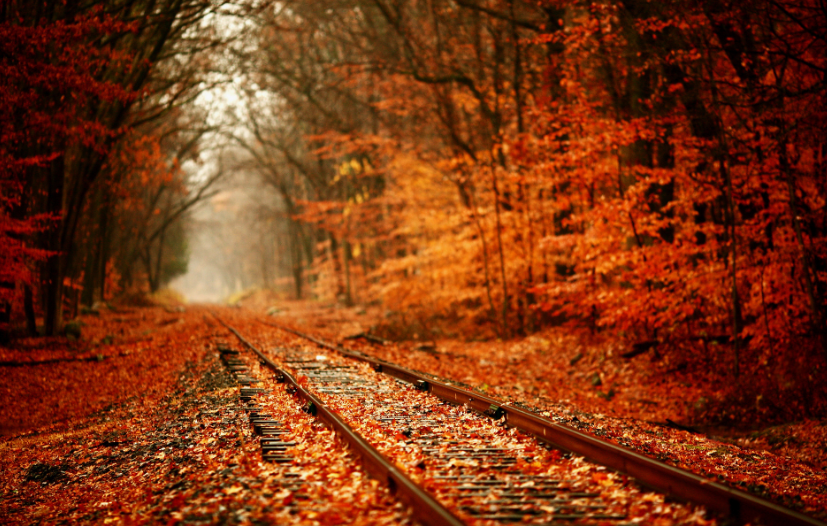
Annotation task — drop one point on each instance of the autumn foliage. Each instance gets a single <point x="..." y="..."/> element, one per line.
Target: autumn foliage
<point x="653" y="172"/>
<point x="49" y="76"/>
<point x="648" y="172"/>
<point x="83" y="84"/>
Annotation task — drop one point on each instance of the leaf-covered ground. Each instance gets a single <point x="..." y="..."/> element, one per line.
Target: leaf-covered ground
<point x="631" y="402"/>
<point x="137" y="422"/>
<point x="154" y="432"/>
<point x="386" y="416"/>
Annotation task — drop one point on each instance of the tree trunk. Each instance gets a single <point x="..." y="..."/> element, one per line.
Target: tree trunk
<point x="5" y="315"/>
<point x="55" y="265"/>
<point x="158" y="263"/>
<point x="501" y="252"/>
<point x="103" y="256"/>
<point x="337" y="265"/>
<point x="28" y="308"/>
<point x="736" y="302"/>
<point x="347" y="256"/>
<point x="817" y="316"/>
<point x="485" y="268"/>
<point x="296" y="257"/>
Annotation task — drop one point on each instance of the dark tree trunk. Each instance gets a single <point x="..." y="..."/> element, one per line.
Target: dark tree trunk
<point x="28" y="308"/>
<point x="54" y="268"/>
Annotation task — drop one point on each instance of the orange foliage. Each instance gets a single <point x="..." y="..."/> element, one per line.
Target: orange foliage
<point x="648" y="172"/>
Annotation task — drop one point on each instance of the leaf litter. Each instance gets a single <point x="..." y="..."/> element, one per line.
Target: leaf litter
<point x="153" y="430"/>
<point x="173" y="446"/>
<point x="377" y="414"/>
<point x="785" y="464"/>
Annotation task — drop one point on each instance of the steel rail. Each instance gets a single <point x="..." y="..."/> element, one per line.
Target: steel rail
<point x="426" y="509"/>
<point x="737" y="505"/>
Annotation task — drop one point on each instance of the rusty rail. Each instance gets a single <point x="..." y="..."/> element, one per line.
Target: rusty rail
<point x="738" y="506"/>
<point x="424" y="506"/>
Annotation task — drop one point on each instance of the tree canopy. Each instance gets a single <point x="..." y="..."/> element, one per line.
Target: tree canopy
<point x="484" y="168"/>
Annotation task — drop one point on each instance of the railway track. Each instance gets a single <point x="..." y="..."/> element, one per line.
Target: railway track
<point x="459" y="457"/>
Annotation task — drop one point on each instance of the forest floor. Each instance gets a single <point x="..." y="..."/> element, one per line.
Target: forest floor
<point x="555" y="370"/>
<point x="97" y="430"/>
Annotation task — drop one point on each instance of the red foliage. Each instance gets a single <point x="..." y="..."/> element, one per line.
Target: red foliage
<point x="652" y="173"/>
<point x="50" y="73"/>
